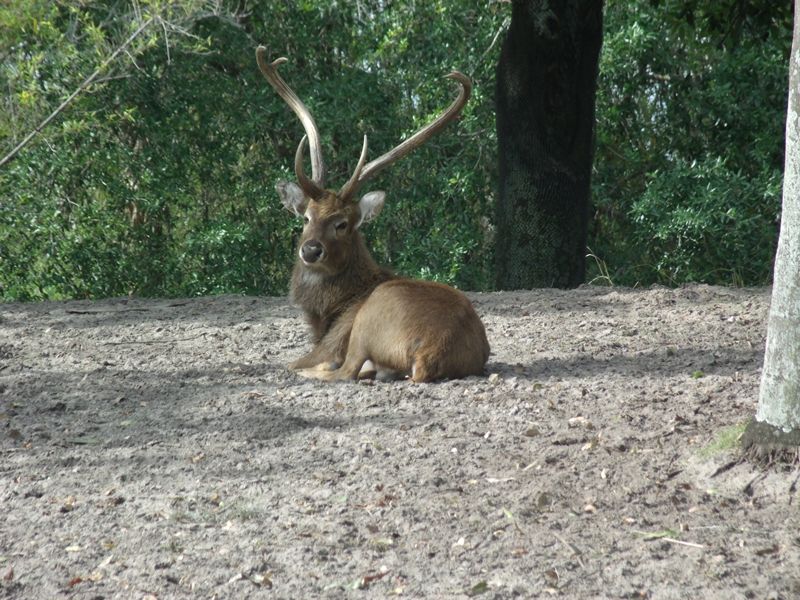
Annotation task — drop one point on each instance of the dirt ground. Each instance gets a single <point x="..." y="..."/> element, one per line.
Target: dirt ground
<point x="160" y="449"/>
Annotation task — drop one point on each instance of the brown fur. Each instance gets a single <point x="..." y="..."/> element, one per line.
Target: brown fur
<point x="422" y="328"/>
<point x="360" y="312"/>
<point x="364" y="320"/>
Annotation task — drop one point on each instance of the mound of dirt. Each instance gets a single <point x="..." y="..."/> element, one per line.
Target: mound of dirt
<point x="160" y="449"/>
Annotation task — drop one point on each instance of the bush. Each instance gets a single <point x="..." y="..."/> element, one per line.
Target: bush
<point x="159" y="180"/>
<point x="690" y="149"/>
<point x="704" y="222"/>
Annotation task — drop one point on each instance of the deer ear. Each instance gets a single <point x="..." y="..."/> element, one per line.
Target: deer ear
<point x="292" y="197"/>
<point x="370" y="206"/>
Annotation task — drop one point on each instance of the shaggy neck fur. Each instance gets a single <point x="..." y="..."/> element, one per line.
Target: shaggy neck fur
<point x="324" y="298"/>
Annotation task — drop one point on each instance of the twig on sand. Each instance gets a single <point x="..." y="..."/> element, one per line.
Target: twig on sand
<point x="167" y="341"/>
<point x="682" y="543"/>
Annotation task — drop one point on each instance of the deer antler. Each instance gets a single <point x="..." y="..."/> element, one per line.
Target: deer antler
<point x="312" y="187"/>
<point x="350" y="188"/>
<point x="364" y="172"/>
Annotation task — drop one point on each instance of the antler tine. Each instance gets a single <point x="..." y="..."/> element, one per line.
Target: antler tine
<point x="311" y="189"/>
<point x="349" y="188"/>
<point x="270" y="72"/>
<point x="424" y="134"/>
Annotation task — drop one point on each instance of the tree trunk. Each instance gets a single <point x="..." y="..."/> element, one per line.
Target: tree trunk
<point x="545" y="97"/>
<point x="775" y="431"/>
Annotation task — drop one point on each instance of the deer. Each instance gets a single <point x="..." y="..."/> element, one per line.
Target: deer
<point x="366" y="322"/>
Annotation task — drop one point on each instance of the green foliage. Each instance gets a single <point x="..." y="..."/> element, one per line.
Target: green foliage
<point x="691" y="105"/>
<point x="699" y="222"/>
<point x="726" y="440"/>
<point x="158" y="179"/>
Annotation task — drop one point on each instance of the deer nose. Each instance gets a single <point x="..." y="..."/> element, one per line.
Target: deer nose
<point x="311" y="251"/>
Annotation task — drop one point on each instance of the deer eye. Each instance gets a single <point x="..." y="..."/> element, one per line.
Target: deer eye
<point x="306" y="220"/>
<point x="341" y="226"/>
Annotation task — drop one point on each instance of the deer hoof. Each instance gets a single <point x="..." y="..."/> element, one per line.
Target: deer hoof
<point x="316" y="373"/>
<point x="368" y="370"/>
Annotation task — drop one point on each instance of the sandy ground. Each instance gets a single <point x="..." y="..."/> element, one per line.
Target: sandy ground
<point x="160" y="449"/>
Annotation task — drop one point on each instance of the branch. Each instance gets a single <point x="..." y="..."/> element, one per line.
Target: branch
<point x="505" y="24"/>
<point x="87" y="82"/>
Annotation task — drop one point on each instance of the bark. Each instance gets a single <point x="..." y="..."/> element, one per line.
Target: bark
<point x="545" y="101"/>
<point x="777" y="420"/>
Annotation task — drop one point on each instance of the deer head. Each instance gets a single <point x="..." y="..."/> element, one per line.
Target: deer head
<point x="332" y="218"/>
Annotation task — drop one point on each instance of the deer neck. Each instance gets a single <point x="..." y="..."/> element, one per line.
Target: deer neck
<point x="324" y="298"/>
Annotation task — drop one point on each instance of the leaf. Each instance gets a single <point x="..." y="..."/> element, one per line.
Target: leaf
<point x="479" y="588"/>
<point x="262" y="579"/>
<point x="577" y="422"/>
<point x="386" y="500"/>
<point x="774" y="549"/>
<point x="543" y="501"/>
<point x="366" y="580"/>
<point x="383" y="542"/>
<point x="69" y="504"/>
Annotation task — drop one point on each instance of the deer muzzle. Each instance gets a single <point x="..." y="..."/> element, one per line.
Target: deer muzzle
<point x="311" y="252"/>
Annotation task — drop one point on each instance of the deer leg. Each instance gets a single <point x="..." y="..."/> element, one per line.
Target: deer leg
<point x="325" y="375"/>
<point x="331" y="370"/>
<point x="422" y="371"/>
<point x="371" y="370"/>
<point x="354" y="364"/>
<point x="347" y="372"/>
<point x="330" y="351"/>
<point x="319" y="357"/>
<point x="321" y="371"/>
<point x="387" y="375"/>
<point x="359" y="365"/>
<point x="368" y="370"/>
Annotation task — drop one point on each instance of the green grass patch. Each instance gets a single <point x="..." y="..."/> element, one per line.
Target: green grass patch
<point x="727" y="439"/>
